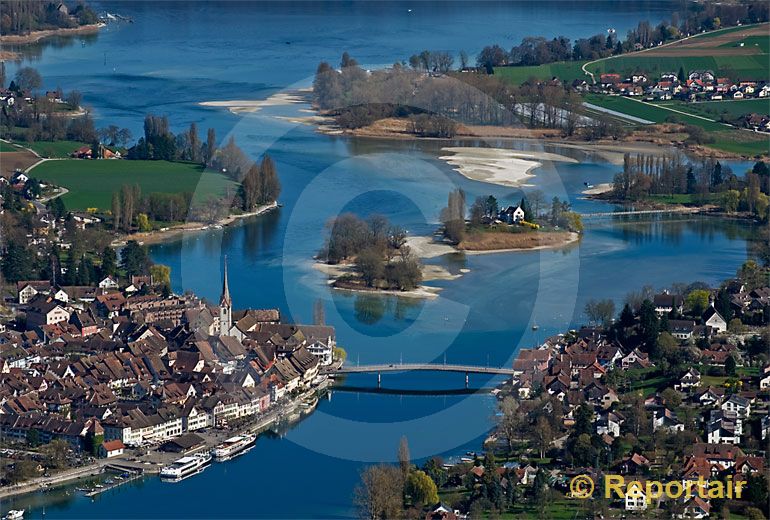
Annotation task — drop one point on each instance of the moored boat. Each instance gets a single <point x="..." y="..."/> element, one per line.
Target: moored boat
<point x="185" y="467"/>
<point x="14" y="514"/>
<point x="233" y="446"/>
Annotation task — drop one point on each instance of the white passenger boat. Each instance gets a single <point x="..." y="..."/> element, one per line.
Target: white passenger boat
<point x="185" y="467"/>
<point x="14" y="514"/>
<point x="233" y="446"/>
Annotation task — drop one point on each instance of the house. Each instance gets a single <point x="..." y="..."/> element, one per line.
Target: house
<point x="696" y="507"/>
<point x="764" y="380"/>
<point x="688" y="381"/>
<point x="739" y="405"/>
<point x="667" y="420"/>
<point x="665" y="303"/>
<point x="44" y="311"/>
<point x="681" y="329"/>
<point x="724" y="427"/>
<point x="609" y="423"/>
<point x="512" y="215"/>
<point x="442" y="512"/>
<point x="636" y="498"/>
<point x="31" y="288"/>
<point x="108" y="284"/>
<point x="765" y="425"/>
<point x="635" y="359"/>
<point x="711" y="318"/>
<point x="110" y="449"/>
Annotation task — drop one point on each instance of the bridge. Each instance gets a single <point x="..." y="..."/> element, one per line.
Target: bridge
<point x="687" y="211"/>
<point x="417" y="367"/>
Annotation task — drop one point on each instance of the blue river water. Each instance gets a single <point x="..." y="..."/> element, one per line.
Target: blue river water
<point x="177" y="54"/>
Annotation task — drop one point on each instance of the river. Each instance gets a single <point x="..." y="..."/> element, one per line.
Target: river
<point x="177" y="54"/>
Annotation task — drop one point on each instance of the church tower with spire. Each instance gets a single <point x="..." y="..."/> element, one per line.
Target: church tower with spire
<point x="225" y="307"/>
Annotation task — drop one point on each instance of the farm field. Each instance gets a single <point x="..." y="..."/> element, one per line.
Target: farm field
<point x="648" y="111"/>
<point x="92" y="183"/>
<point x="718" y="51"/>
<point x="728" y="139"/>
<point x="716" y="109"/>
<point x="567" y="71"/>
<point x="54" y="149"/>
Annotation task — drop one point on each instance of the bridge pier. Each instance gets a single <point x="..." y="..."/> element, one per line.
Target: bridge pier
<point x="466" y="380"/>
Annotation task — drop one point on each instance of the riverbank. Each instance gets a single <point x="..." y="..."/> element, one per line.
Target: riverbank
<point x="173" y="233"/>
<point x="36" y="36"/>
<point x="338" y="273"/>
<point x="150" y="463"/>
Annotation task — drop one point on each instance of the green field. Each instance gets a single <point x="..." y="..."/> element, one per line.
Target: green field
<point x="716" y="109"/>
<point x="753" y="67"/>
<point x="648" y="111"/>
<point x="724" y="138"/>
<point x="737" y="67"/>
<point x="7" y="147"/>
<point x="54" y="149"/>
<point x="763" y="42"/>
<point x="567" y="71"/>
<point x="92" y="183"/>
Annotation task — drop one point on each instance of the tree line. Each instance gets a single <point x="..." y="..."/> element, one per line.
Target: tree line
<point x="692" y="19"/>
<point x="645" y="175"/>
<point x="24" y="16"/>
<point x="436" y="104"/>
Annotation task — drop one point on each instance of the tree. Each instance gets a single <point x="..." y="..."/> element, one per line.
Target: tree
<point x="56" y="207"/>
<point x="18" y="263"/>
<point x="28" y="79"/>
<point x="22" y="470"/>
<point x="56" y="453"/>
<point x="194" y="143"/>
<point x="404" y="461"/>
<point x="421" y="488"/>
<point x="211" y="146"/>
<point x="143" y="222"/>
<point x="109" y="262"/>
<point x="543" y="435"/>
<point x="369" y="265"/>
<point x="453" y="216"/>
<point x="509" y="420"/>
<point x="730" y="366"/>
<point x="133" y="259"/>
<point x="380" y="493"/>
<point x="116" y="211"/>
<point x="600" y="312"/>
<point x="697" y="302"/>
<point x="161" y="274"/>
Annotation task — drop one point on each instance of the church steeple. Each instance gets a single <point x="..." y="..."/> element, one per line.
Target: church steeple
<point x="225" y="298"/>
<point x="225" y="306"/>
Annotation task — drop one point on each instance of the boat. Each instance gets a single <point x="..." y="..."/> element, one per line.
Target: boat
<point x="185" y="466"/>
<point x="14" y="514"/>
<point x="233" y="446"/>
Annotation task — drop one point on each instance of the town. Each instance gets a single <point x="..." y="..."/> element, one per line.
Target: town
<point x="113" y="369"/>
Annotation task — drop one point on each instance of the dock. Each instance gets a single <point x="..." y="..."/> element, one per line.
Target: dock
<point x="133" y="475"/>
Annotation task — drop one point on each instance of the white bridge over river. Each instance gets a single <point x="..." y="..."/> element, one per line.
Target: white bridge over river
<point x="420" y="367"/>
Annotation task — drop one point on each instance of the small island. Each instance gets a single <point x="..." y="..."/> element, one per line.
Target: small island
<point x="371" y="255"/>
<point x="531" y="225"/>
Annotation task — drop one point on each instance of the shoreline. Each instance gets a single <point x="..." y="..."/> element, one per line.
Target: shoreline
<point x="336" y="271"/>
<point x="36" y="36"/>
<point x="173" y="233"/>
